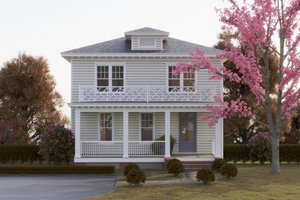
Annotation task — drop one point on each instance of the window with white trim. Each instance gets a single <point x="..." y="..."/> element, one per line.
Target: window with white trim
<point x="105" y="126"/>
<point x="102" y="78"/>
<point x="181" y="82"/>
<point x="110" y="78"/>
<point x="146" y="126"/>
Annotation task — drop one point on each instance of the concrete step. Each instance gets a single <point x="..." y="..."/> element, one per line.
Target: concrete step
<point x="195" y="165"/>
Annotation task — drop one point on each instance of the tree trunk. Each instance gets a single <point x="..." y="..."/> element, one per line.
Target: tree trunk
<point x="275" y="153"/>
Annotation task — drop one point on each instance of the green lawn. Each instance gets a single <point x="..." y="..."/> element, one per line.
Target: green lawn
<point x="252" y="182"/>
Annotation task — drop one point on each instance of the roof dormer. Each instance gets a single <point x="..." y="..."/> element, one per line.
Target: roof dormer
<point x="146" y="39"/>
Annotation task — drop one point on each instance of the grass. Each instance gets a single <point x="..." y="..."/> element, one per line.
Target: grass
<point x="252" y="182"/>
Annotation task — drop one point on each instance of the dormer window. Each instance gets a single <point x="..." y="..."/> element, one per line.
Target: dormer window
<point x="147" y="39"/>
<point x="146" y="43"/>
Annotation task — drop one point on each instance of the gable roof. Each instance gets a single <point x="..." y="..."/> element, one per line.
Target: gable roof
<point x="146" y="31"/>
<point x="123" y="46"/>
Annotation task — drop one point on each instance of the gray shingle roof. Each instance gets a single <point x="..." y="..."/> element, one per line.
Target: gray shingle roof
<point x="146" y="30"/>
<point x="121" y="45"/>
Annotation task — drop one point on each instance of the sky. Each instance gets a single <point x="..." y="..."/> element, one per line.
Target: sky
<point x="48" y="27"/>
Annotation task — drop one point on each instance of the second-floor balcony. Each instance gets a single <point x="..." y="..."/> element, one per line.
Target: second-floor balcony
<point x="149" y="94"/>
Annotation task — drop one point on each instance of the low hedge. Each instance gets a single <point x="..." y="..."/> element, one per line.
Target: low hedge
<point x="240" y="152"/>
<point x="57" y="169"/>
<point x="236" y="152"/>
<point x="19" y="153"/>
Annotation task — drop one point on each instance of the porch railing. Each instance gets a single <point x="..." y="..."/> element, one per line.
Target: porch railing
<point x="146" y="94"/>
<point x="146" y="148"/>
<point x="101" y="148"/>
<point x="93" y="149"/>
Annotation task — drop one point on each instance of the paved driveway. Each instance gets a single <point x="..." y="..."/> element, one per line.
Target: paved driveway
<point x="54" y="187"/>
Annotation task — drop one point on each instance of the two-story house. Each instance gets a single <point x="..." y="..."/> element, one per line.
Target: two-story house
<point x="124" y="97"/>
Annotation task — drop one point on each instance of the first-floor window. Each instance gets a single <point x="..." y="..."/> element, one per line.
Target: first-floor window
<point x="147" y="126"/>
<point x="105" y="126"/>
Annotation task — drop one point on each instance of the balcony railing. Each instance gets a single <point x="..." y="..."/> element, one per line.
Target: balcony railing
<point x="146" y="94"/>
<point x="100" y="149"/>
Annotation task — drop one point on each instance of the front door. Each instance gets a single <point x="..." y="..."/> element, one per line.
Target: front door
<point x="187" y="132"/>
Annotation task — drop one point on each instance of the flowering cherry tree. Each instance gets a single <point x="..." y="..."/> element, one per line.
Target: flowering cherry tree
<point x="264" y="27"/>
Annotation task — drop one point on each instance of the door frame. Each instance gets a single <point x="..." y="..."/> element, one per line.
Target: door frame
<point x="180" y="132"/>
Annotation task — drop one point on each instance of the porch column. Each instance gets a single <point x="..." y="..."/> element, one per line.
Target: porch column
<point x="219" y="138"/>
<point x="167" y="134"/>
<point x="77" y="134"/>
<point x="125" y="134"/>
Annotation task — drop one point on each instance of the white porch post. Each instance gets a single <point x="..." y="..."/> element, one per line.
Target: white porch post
<point x="125" y="134"/>
<point x="77" y="134"/>
<point x="219" y="138"/>
<point x="167" y="134"/>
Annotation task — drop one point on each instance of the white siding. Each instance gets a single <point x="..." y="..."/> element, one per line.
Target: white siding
<point x="143" y="74"/>
<point x="159" y="124"/>
<point x="205" y="135"/>
<point x="83" y="73"/>
<point x="118" y="126"/>
<point x="175" y="130"/>
<point x="133" y="126"/>
<point x="89" y="126"/>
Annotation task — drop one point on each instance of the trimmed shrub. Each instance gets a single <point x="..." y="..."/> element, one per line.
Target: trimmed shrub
<point x="228" y="170"/>
<point x="260" y="148"/>
<point x="175" y="166"/>
<point x="19" y="153"/>
<point x="205" y="175"/>
<point x="57" y="145"/>
<point x="289" y="153"/>
<point x="217" y="164"/>
<point x="136" y="176"/>
<point x="57" y="169"/>
<point x="129" y="167"/>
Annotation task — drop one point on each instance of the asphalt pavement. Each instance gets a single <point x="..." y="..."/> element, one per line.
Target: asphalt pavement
<point x="54" y="187"/>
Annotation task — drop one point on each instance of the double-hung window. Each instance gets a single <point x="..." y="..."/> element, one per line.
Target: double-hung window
<point x="105" y="126"/>
<point x="110" y="78"/>
<point x="182" y="82"/>
<point x="146" y="126"/>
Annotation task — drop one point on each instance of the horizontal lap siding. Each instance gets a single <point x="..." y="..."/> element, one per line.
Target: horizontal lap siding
<point x="205" y="135"/>
<point x="159" y="124"/>
<point x="118" y="126"/>
<point x="83" y="73"/>
<point x="142" y="74"/>
<point x="89" y="126"/>
<point x="133" y="126"/>
<point x="203" y="80"/>
<point x="174" y="129"/>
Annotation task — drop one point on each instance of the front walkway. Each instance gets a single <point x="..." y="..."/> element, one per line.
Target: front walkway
<point x="49" y="187"/>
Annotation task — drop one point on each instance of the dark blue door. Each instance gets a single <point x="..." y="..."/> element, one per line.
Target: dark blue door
<point x="187" y="132"/>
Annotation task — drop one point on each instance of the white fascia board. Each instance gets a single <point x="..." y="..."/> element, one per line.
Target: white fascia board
<point x="133" y="55"/>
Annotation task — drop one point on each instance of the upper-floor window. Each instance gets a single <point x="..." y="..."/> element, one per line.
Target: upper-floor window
<point x="147" y="42"/>
<point x="105" y="126"/>
<point x="182" y="82"/>
<point x="110" y="78"/>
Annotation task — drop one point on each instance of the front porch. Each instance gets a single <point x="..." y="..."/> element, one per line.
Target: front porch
<point x="126" y="143"/>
